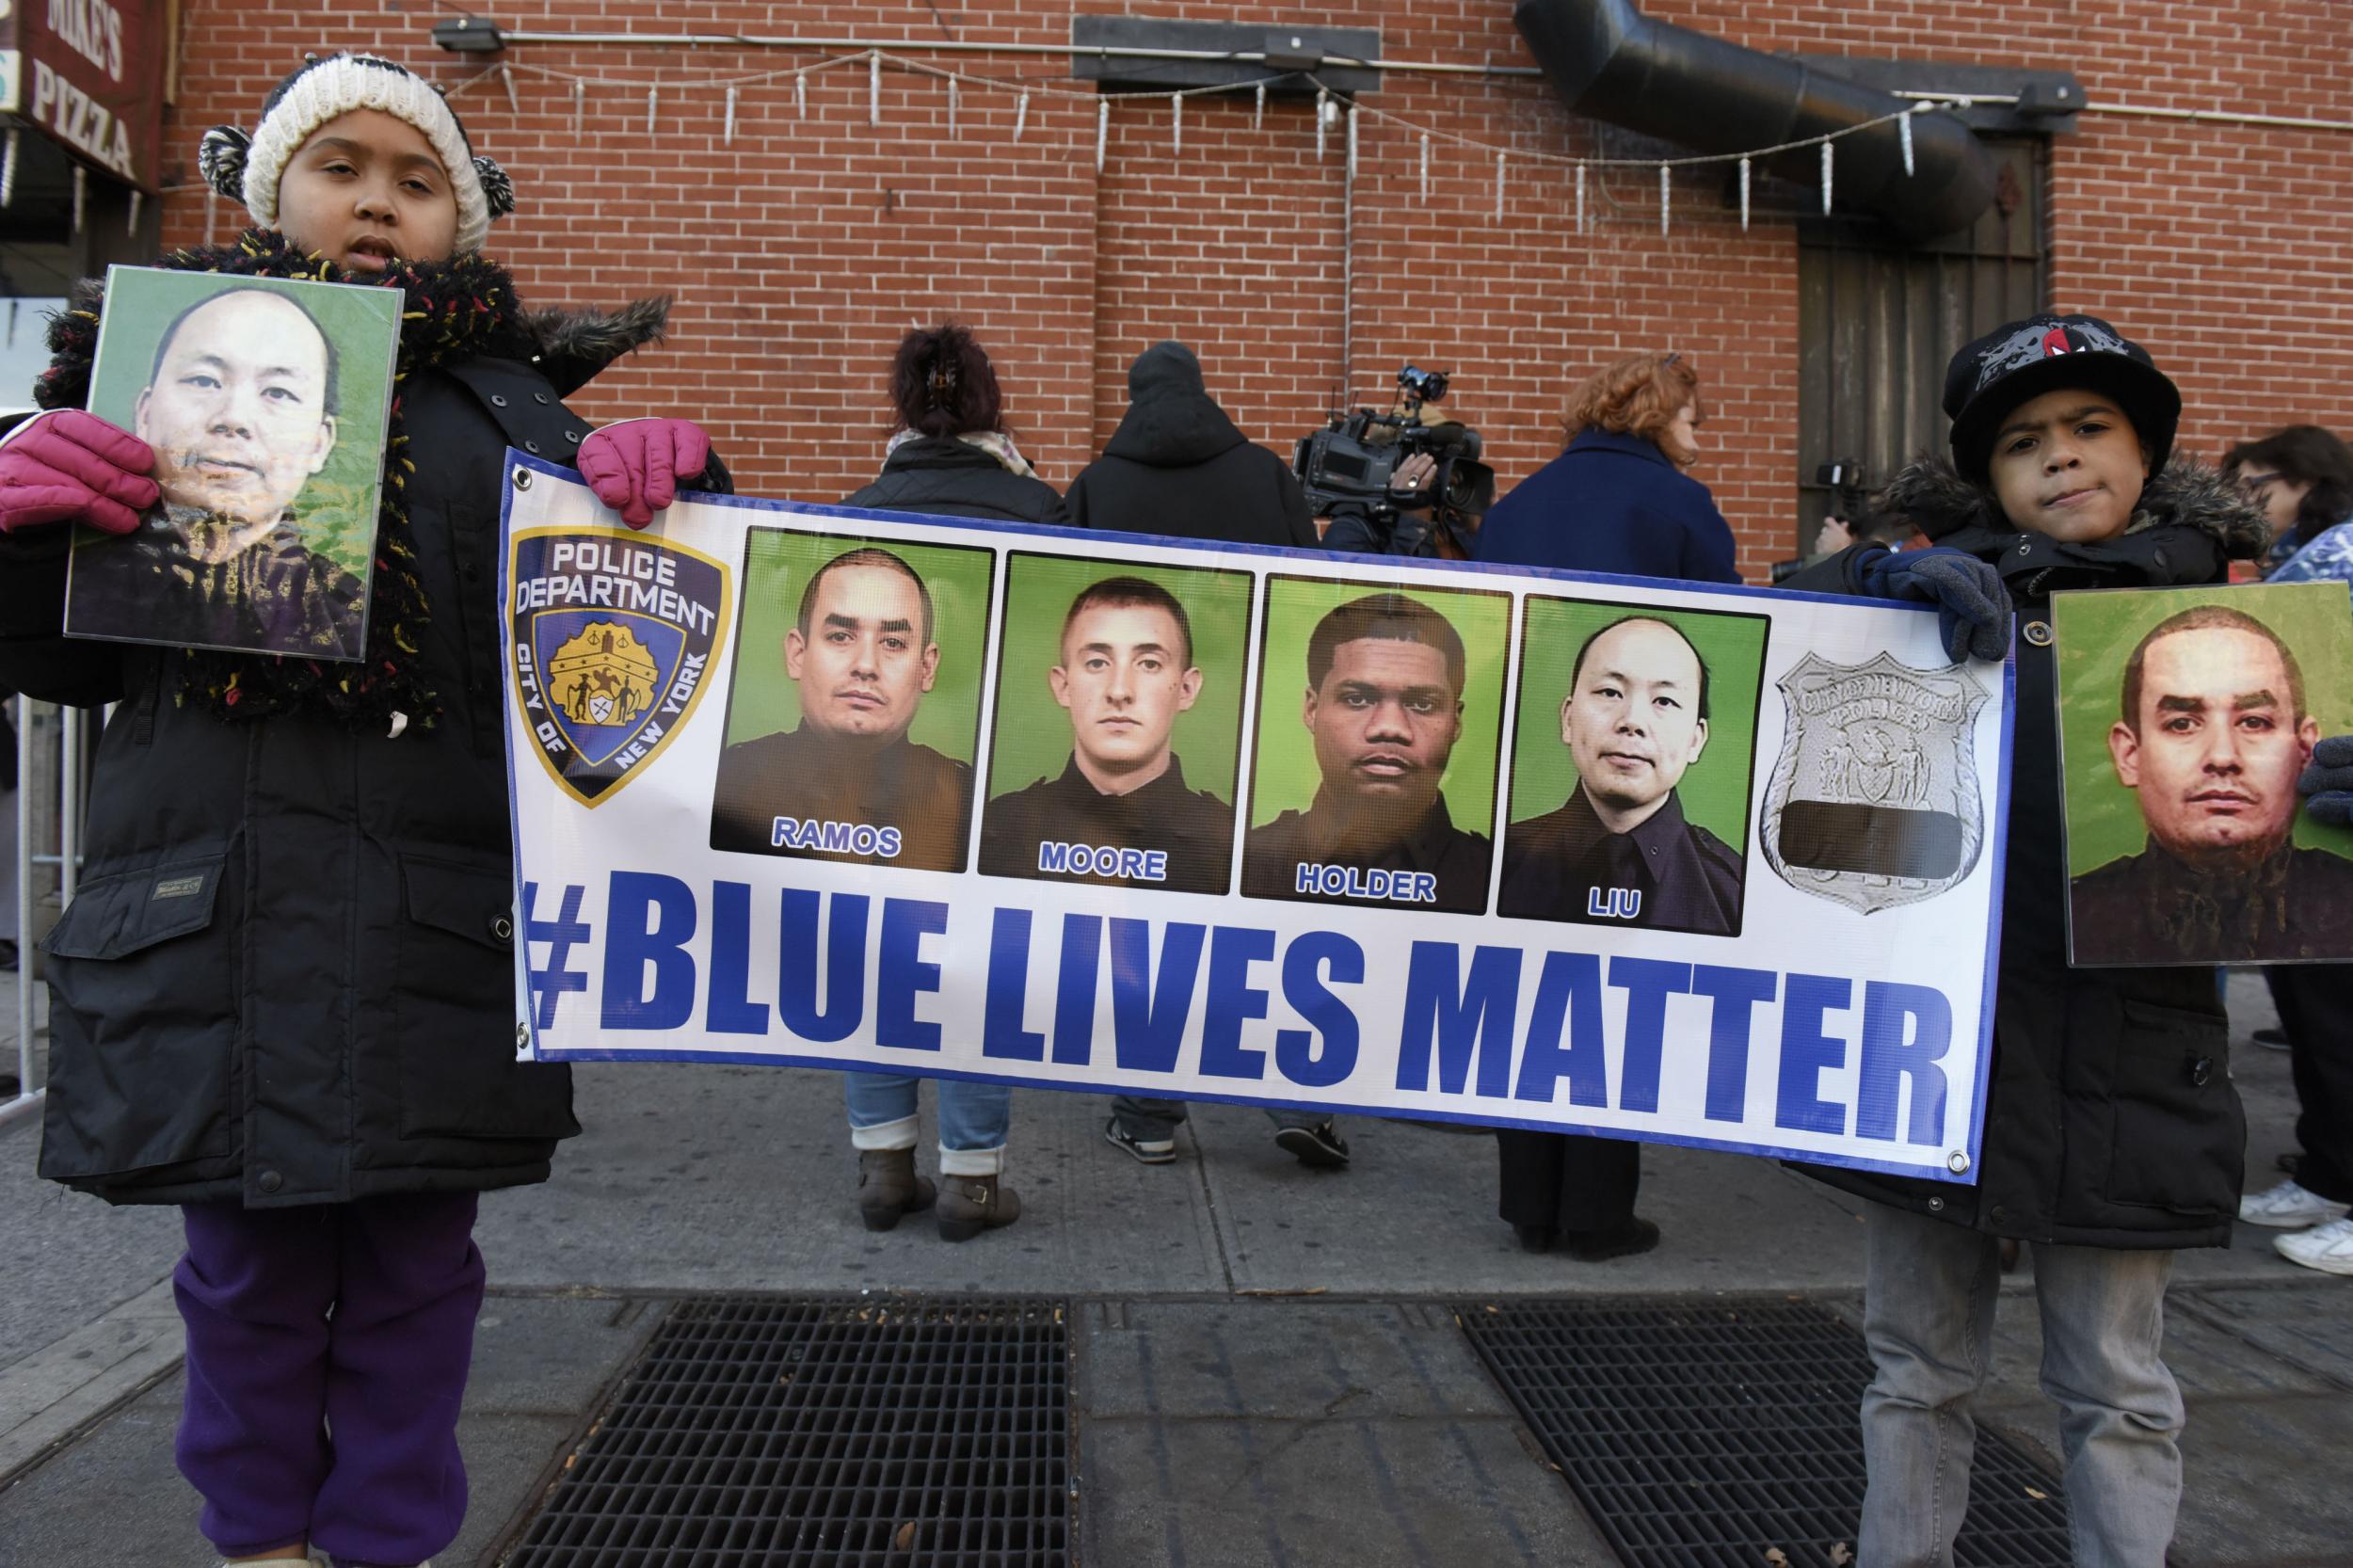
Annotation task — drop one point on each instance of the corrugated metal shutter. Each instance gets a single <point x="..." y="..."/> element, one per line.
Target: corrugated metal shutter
<point x="1878" y="320"/>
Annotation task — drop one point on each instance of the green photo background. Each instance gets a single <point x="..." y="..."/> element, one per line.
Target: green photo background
<point x="1286" y="778"/>
<point x="1715" y="791"/>
<point x="778" y="565"/>
<point x="1033" y="730"/>
<point x="2093" y="634"/>
<point x="338" y="505"/>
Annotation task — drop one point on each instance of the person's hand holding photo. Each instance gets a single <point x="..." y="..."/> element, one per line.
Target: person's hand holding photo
<point x="66" y="466"/>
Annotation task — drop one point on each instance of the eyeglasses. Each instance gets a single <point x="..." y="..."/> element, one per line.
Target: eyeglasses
<point x="2255" y="483"/>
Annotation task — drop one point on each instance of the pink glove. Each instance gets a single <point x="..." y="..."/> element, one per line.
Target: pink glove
<point x="635" y="466"/>
<point x="66" y="466"/>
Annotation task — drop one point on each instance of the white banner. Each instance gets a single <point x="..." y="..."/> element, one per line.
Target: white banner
<point x="1084" y="810"/>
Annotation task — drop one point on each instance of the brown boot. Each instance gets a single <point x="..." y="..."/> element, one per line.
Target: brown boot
<point x="888" y="1189"/>
<point x="970" y="1204"/>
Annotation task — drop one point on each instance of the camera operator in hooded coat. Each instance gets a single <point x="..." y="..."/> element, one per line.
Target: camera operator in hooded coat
<point x="1178" y="466"/>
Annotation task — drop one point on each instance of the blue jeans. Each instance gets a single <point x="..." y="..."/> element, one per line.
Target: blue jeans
<point x="1928" y="1316"/>
<point x="1151" y="1121"/>
<point x="973" y="1119"/>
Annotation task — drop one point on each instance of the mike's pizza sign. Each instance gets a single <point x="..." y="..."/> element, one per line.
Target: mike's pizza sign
<point x="88" y="75"/>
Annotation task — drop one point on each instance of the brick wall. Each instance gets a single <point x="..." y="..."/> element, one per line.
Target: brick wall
<point x="801" y="249"/>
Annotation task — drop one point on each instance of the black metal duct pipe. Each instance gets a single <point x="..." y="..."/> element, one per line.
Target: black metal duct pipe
<point x="1611" y="63"/>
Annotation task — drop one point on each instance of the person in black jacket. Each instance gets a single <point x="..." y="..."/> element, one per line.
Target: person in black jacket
<point x="282" y="997"/>
<point x="948" y="452"/>
<point x="949" y="456"/>
<point x="1178" y="466"/>
<point x="2112" y="1133"/>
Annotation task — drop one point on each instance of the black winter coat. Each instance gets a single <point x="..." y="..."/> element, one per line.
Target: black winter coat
<point x="946" y="477"/>
<point x="288" y="975"/>
<point x="1178" y="466"/>
<point x="2111" y="1120"/>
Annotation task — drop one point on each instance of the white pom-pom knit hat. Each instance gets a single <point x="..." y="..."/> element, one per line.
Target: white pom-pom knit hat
<point x="248" y="168"/>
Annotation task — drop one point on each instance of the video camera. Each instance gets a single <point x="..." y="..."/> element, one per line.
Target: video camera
<point x="1350" y="464"/>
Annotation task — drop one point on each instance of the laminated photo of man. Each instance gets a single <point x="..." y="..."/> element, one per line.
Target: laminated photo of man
<point x="1119" y="812"/>
<point x="846" y="783"/>
<point x="1383" y="704"/>
<point x="240" y="407"/>
<point x="1620" y="851"/>
<point x="2212" y="733"/>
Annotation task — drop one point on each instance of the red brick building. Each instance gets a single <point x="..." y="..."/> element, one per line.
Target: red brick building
<point x="800" y="246"/>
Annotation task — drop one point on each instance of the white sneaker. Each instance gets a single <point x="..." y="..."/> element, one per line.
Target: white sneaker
<point x="2327" y="1248"/>
<point x="2288" y="1207"/>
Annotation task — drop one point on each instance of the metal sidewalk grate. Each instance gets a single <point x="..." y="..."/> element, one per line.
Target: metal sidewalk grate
<point x="826" y="1433"/>
<point x="1707" y="1436"/>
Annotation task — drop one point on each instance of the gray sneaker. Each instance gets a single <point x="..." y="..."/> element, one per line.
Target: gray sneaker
<point x="1320" y="1147"/>
<point x="1151" y="1151"/>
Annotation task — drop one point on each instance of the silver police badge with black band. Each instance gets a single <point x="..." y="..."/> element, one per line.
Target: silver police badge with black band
<point x="1874" y="799"/>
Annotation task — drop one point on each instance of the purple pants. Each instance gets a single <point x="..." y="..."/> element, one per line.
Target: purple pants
<point x="328" y="1352"/>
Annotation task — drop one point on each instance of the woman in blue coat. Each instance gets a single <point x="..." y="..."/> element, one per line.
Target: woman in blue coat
<point x="1617" y="501"/>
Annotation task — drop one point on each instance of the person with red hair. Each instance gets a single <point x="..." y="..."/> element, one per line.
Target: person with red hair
<point x="1618" y="499"/>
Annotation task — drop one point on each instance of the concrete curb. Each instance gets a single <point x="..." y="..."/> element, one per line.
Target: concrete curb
<point x="53" y="1393"/>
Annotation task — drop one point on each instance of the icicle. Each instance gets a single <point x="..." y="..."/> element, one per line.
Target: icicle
<point x="653" y="107"/>
<point x="1903" y="131"/>
<point x="1744" y="195"/>
<point x="1425" y="165"/>
<point x="956" y="101"/>
<point x="873" y="88"/>
<point x="800" y="93"/>
<point x="1102" y="131"/>
<point x="1498" y="187"/>
<point x="131" y="229"/>
<point x="1580" y="199"/>
<point x="1828" y="154"/>
<point x="1176" y="124"/>
<point x="1324" y="119"/>
<point x="1021" y="115"/>
<point x="1351" y="141"/>
<point x="580" y="107"/>
<point x="1257" y="110"/>
<point x="8" y="170"/>
<point x="212" y="215"/>
<point x="506" y="80"/>
<point x="1666" y="196"/>
<point x="81" y="195"/>
<point x="729" y="134"/>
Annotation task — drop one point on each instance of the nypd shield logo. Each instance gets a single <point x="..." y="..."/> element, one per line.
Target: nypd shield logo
<point x="612" y="638"/>
<point x="1874" y="799"/>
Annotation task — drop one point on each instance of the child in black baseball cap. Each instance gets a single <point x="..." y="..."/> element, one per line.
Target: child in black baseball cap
<point x="2113" y="1134"/>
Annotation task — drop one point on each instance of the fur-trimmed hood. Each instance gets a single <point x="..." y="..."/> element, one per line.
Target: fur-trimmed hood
<point x="574" y="345"/>
<point x="1933" y="497"/>
<point x="570" y="346"/>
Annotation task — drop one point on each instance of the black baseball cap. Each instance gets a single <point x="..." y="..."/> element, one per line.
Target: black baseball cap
<point x="2018" y="363"/>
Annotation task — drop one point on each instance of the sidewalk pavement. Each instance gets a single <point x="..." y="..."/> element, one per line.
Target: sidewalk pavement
<point x="1266" y="1370"/>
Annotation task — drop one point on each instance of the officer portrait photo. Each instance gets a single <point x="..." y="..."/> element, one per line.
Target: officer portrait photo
<point x="264" y="402"/>
<point x="1640" y="725"/>
<point x="2187" y="840"/>
<point x="1377" y="743"/>
<point x="1125" y="778"/>
<point x="855" y="711"/>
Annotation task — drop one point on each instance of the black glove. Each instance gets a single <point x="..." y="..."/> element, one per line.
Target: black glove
<point x="1973" y="609"/>
<point x="2328" y="783"/>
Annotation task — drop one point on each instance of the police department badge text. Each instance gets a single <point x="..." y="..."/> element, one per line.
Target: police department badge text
<point x="613" y="638"/>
